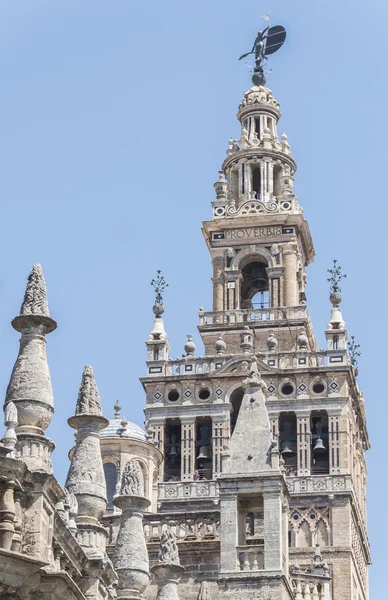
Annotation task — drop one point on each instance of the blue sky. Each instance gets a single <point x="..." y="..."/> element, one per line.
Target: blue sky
<point x="115" y="118"/>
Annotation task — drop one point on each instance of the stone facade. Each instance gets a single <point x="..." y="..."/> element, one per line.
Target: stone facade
<point x="249" y="479"/>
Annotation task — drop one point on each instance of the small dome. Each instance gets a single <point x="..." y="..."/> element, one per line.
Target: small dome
<point x="115" y="429"/>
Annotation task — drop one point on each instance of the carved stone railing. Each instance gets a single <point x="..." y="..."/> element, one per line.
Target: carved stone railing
<point x="284" y="360"/>
<point x="188" y="490"/>
<point x="185" y="528"/>
<point x="256" y="206"/>
<point x="230" y="317"/>
<point x="251" y="558"/>
<point x="319" y="483"/>
<point x="310" y="587"/>
<point x="295" y="360"/>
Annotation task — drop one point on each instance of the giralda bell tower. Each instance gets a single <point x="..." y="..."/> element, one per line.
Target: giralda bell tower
<point x="263" y="479"/>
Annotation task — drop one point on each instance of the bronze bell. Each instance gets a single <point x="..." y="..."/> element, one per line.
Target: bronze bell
<point x="204" y="453"/>
<point x="319" y="447"/>
<point x="259" y="279"/>
<point x="287" y="450"/>
<point x="173" y="451"/>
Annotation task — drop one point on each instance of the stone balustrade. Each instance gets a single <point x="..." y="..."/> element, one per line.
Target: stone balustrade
<point x="186" y="527"/>
<point x="310" y="588"/>
<point x="284" y="360"/>
<point x="251" y="558"/>
<point x="319" y="483"/>
<point x="231" y="317"/>
<point x="180" y="490"/>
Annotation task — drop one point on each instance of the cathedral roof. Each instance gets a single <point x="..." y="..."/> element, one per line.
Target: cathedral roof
<point x="116" y="429"/>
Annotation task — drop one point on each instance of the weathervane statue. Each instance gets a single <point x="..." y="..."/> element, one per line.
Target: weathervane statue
<point x="267" y="42"/>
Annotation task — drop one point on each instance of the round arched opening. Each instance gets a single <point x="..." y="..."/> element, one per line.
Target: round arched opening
<point x="204" y="394"/>
<point x="173" y="395"/>
<point x="235" y="400"/>
<point x="254" y="286"/>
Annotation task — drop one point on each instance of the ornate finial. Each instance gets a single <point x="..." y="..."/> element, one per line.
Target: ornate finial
<point x="35" y="296"/>
<point x="132" y="480"/>
<point x="159" y="284"/>
<point x="271" y="342"/>
<point x="117" y="409"/>
<point x="124" y="424"/>
<point x="220" y="345"/>
<point x="302" y="339"/>
<point x="10" y="421"/>
<point x="88" y="402"/>
<point x="190" y="346"/>
<point x="335" y="277"/>
<point x="168" y="552"/>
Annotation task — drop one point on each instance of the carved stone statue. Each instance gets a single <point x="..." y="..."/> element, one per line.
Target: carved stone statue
<point x="132" y="480"/>
<point x="204" y="591"/>
<point x="258" y="48"/>
<point x="168" y="552"/>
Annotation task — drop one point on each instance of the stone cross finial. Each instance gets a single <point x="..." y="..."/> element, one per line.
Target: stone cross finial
<point x="132" y="480"/>
<point x="88" y="402"/>
<point x="35" y="297"/>
<point x="168" y="552"/>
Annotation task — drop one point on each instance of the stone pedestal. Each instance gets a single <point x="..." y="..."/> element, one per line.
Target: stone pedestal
<point x="130" y="558"/>
<point x="168" y="576"/>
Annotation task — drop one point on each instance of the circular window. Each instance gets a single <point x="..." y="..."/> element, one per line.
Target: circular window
<point x="287" y="389"/>
<point x="173" y="395"/>
<point x="318" y="387"/>
<point x="312" y="516"/>
<point x="204" y="394"/>
<point x="296" y="517"/>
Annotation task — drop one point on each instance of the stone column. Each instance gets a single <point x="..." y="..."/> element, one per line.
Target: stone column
<point x="29" y="387"/>
<point x="220" y="437"/>
<point x="86" y="478"/>
<point x="272" y="531"/>
<point x="275" y="276"/>
<point x="218" y="282"/>
<point x="7" y="514"/>
<point x="188" y="448"/>
<point x="168" y="570"/>
<point x="291" y="293"/>
<point x="130" y="557"/>
<point x="228" y="529"/>
<point x="334" y="443"/>
<point x="303" y="436"/>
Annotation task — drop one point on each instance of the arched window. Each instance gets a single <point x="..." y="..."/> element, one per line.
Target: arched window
<point x="319" y="443"/>
<point x="235" y="400"/>
<point x="287" y="441"/>
<point x="254" y="285"/>
<point x="110" y="472"/>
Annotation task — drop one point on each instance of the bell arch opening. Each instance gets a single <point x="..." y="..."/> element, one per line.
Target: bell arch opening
<point x="235" y="400"/>
<point x="255" y="285"/>
<point x="319" y="443"/>
<point x="111" y="478"/>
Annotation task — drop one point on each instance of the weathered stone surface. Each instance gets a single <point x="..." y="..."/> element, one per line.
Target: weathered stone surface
<point x="88" y="401"/>
<point x="130" y="557"/>
<point x="251" y="441"/>
<point x="132" y="480"/>
<point x="86" y="478"/>
<point x="35" y="296"/>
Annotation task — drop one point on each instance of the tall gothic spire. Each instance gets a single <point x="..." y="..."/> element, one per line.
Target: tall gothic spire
<point x="86" y="475"/>
<point x="29" y="387"/>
